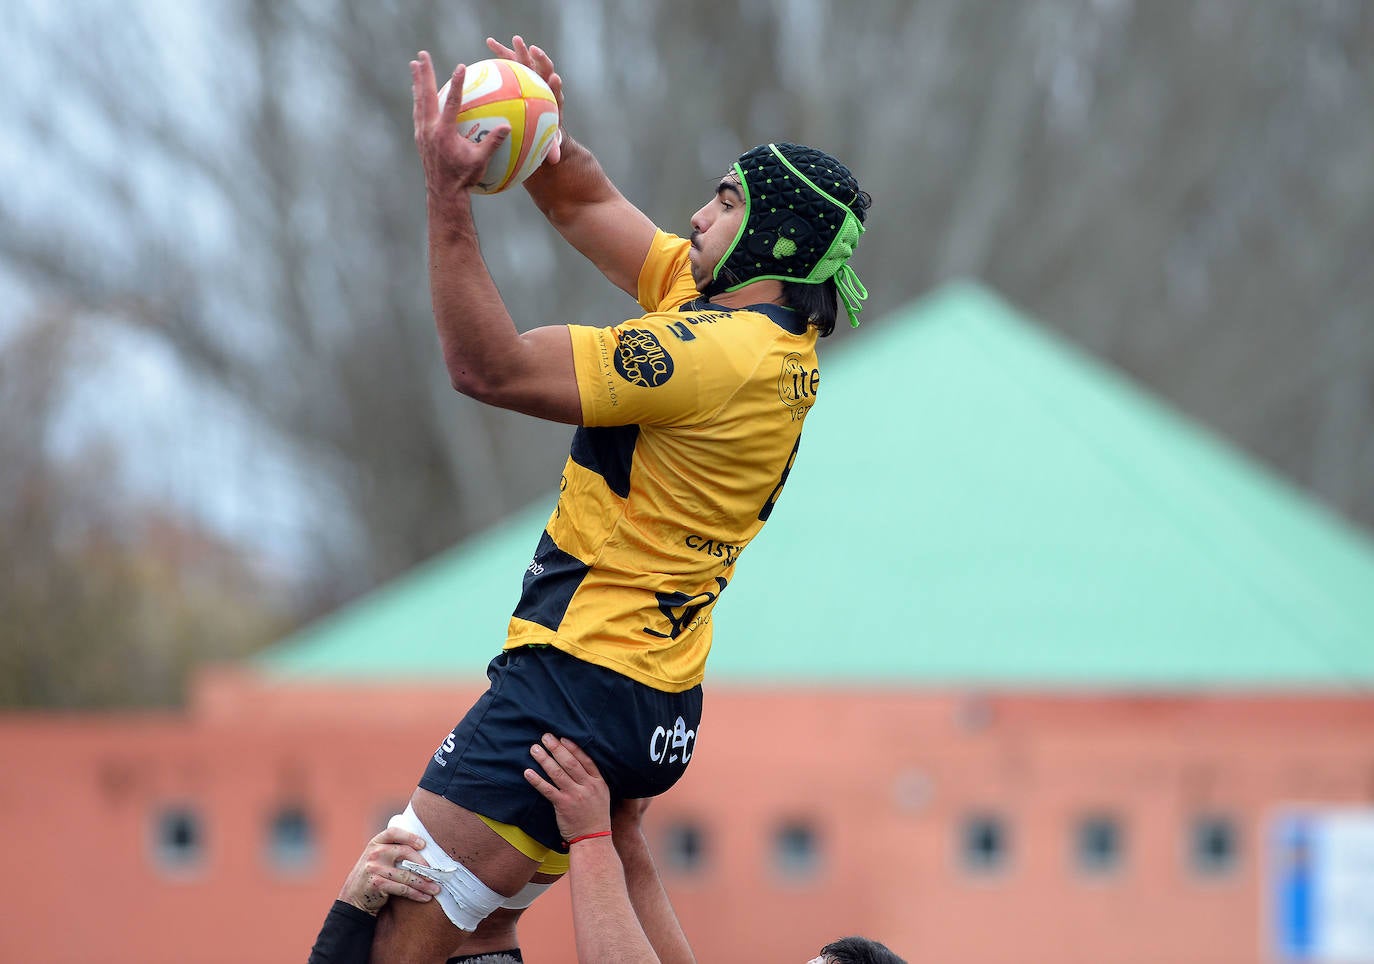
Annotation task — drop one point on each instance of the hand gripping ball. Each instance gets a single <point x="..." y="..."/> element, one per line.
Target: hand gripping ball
<point x="501" y="93"/>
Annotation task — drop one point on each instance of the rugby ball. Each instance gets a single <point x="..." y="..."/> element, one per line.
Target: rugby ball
<point x="502" y="93"/>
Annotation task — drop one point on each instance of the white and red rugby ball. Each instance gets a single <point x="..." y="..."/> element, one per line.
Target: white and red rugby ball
<point x="502" y="93"/>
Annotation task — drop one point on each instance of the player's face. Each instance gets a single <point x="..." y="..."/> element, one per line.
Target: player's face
<point x="714" y="227"/>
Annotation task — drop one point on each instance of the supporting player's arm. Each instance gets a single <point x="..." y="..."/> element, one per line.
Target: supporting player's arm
<point x="604" y="923"/>
<point x="346" y="937"/>
<point x="647" y="896"/>
<point x="486" y="356"/>
<point x="604" y="914"/>
<point x="577" y="197"/>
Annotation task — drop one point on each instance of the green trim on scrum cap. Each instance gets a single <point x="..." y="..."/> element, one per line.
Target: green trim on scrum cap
<point x="743" y="224"/>
<point x="785" y="234"/>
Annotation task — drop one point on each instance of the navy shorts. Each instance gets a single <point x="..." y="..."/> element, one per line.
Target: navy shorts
<point x="641" y="738"/>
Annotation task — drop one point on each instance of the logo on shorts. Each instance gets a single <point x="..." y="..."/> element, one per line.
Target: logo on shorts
<point x="642" y="360"/>
<point x="673" y="746"/>
<point x="446" y="747"/>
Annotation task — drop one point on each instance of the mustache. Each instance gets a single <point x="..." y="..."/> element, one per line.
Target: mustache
<point x="693" y="238"/>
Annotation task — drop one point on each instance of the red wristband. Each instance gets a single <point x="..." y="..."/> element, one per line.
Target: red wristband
<point x="589" y="836"/>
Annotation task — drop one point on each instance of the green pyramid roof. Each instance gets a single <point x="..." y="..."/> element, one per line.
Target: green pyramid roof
<point x="975" y="504"/>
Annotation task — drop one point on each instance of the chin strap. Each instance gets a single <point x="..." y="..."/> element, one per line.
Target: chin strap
<point x="852" y="293"/>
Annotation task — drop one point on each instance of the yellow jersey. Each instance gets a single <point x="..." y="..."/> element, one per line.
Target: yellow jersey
<point x="692" y="417"/>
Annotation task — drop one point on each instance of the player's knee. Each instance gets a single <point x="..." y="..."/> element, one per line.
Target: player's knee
<point x="497" y="931"/>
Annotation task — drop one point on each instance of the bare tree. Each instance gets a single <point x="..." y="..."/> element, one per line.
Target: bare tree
<point x="106" y="600"/>
<point x="1183" y="189"/>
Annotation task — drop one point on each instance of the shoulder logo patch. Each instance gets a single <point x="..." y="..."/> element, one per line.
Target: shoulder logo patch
<point x="642" y="360"/>
<point x="797" y="384"/>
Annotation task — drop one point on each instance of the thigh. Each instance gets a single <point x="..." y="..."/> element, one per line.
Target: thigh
<point x="498" y="932"/>
<point x="413" y="931"/>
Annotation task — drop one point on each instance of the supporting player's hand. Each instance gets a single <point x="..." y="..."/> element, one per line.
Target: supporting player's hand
<point x="377" y="876"/>
<point x="453" y="164"/>
<point x="541" y="63"/>
<point x="574" y="786"/>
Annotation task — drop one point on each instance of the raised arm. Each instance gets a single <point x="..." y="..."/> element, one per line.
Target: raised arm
<point x="486" y="356"/>
<point x="577" y="197"/>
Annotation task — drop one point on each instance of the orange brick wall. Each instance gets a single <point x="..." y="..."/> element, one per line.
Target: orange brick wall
<point x="884" y="778"/>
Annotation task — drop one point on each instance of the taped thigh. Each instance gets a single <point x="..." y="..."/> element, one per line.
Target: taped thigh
<point x="465" y="899"/>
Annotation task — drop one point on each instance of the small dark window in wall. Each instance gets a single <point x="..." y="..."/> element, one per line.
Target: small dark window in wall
<point x="178" y="839"/>
<point x="291" y="840"/>
<point x="1214" y="845"/>
<point x="796" y="853"/>
<point x="984" y="843"/>
<point x="1098" y="845"/>
<point x="685" y="847"/>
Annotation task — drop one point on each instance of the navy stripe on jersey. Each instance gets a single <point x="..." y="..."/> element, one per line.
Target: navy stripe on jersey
<point x="550" y="582"/>
<point x="609" y="452"/>
<point x="787" y="319"/>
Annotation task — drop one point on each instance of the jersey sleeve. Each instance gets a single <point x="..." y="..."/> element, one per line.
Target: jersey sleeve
<point x="665" y="279"/>
<point x="655" y="370"/>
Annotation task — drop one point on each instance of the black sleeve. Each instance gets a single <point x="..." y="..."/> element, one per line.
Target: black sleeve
<point x="346" y="937"/>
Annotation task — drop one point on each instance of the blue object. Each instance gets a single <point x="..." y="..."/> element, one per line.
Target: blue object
<point x="1295" y="890"/>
